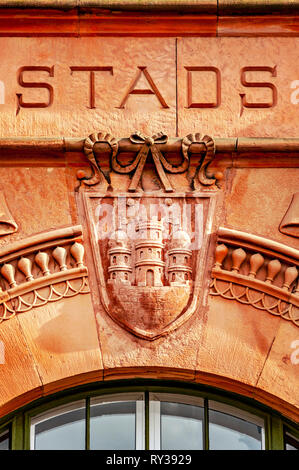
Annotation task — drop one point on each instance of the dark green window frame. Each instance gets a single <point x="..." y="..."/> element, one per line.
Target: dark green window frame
<point x="275" y="427"/>
<point x="291" y="435"/>
<point x="5" y="429"/>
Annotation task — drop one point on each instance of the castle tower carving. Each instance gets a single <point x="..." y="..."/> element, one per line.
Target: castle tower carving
<point x="149" y="267"/>
<point x="141" y="263"/>
<point x="119" y="252"/>
<point x="179" y="259"/>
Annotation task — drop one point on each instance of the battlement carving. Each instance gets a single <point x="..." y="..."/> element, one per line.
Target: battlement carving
<point x="141" y="263"/>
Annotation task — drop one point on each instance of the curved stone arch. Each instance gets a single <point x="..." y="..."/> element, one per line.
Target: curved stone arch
<point x="165" y="377"/>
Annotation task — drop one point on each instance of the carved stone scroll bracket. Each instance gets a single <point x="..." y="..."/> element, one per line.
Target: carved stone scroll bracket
<point x="7" y="223"/>
<point x="201" y="171"/>
<point x="98" y="175"/>
<point x="45" y="268"/>
<point x="290" y="223"/>
<point x="266" y="281"/>
<point x="157" y="147"/>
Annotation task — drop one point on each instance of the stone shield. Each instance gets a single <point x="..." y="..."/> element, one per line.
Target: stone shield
<point x="149" y="253"/>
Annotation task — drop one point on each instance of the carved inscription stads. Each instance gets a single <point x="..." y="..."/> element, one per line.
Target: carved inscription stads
<point x="151" y="88"/>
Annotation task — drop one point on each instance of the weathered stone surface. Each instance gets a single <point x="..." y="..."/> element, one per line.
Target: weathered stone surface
<point x="20" y="382"/>
<point x="63" y="340"/>
<point x="235" y="341"/>
<point x="280" y="371"/>
<point x="258" y="200"/>
<point x="122" y="350"/>
<point x="37" y="198"/>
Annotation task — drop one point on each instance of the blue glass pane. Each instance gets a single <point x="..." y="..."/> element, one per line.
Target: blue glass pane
<point x="227" y="432"/>
<point x="181" y="426"/>
<point x="63" y="432"/>
<point x="112" y="426"/>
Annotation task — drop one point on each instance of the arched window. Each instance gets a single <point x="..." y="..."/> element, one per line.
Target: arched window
<point x="175" y="422"/>
<point x="149" y="417"/>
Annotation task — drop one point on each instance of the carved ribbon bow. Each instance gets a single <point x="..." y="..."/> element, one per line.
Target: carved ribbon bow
<point x="149" y="145"/>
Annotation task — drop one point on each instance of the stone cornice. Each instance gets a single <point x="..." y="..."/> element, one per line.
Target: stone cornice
<point x="212" y="7"/>
<point x="229" y="152"/>
<point x="158" y="18"/>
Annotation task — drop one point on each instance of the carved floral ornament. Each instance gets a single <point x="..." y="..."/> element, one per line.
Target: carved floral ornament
<point x="147" y="147"/>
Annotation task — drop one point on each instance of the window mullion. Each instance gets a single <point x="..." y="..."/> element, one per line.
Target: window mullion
<point x="17" y="433"/>
<point x="87" y="423"/>
<point x="277" y="440"/>
<point x="206" y="443"/>
<point x="146" y="419"/>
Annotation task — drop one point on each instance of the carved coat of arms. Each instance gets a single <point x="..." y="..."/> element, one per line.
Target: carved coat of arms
<point x="148" y="232"/>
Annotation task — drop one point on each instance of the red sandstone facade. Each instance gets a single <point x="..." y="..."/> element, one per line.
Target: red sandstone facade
<point x="180" y="107"/>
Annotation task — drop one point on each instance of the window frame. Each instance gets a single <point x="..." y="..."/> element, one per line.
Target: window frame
<point x="275" y="422"/>
<point x="155" y="413"/>
<point x="5" y="429"/>
<point x="241" y="414"/>
<point x="52" y="413"/>
<point x="139" y="416"/>
<point x="37" y="418"/>
<point x="290" y="431"/>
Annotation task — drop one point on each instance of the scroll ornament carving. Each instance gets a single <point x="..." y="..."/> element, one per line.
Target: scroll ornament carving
<point x="89" y="143"/>
<point x="258" y="280"/>
<point x="149" y="146"/>
<point x="201" y="171"/>
<point x="38" y="277"/>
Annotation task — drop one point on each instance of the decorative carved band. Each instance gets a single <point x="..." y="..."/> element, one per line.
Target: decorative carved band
<point x="143" y="146"/>
<point x="41" y="269"/>
<point x="251" y="270"/>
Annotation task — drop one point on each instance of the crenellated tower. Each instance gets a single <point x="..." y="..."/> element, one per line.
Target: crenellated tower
<point x="149" y="267"/>
<point x="179" y="259"/>
<point x="119" y="252"/>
